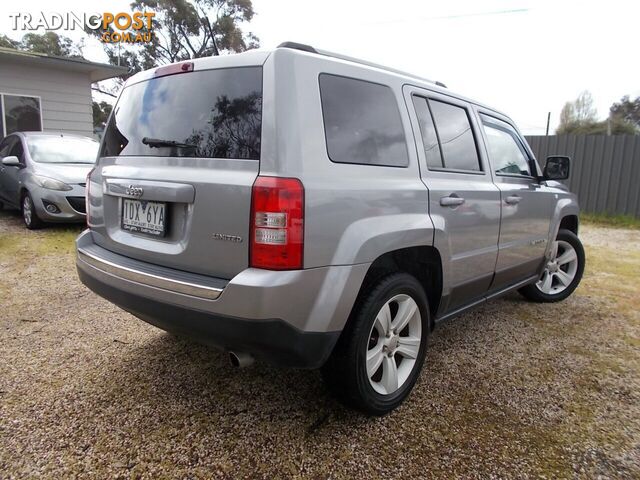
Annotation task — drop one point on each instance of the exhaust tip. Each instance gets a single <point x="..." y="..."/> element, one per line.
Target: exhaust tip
<point x="240" y="359"/>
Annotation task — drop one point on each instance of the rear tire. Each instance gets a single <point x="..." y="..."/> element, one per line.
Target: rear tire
<point x="29" y="214"/>
<point x="394" y="359"/>
<point x="562" y="273"/>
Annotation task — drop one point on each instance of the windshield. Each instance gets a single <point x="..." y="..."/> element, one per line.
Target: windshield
<point x="61" y="149"/>
<point x="208" y="113"/>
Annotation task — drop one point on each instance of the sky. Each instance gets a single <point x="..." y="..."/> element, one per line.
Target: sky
<point x="524" y="57"/>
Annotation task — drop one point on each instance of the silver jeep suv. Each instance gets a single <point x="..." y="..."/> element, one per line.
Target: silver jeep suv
<point x="313" y="210"/>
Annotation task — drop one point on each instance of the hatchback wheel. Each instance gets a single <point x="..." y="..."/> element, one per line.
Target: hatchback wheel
<point x="562" y="272"/>
<point x="29" y="214"/>
<point x="380" y="354"/>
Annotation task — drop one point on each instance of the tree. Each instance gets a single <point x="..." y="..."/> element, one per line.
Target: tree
<point x="183" y="30"/>
<point x="101" y="112"/>
<point x="6" y="42"/>
<point x="49" y="43"/>
<point x="583" y="109"/>
<point x="627" y="110"/>
<point x="579" y="117"/>
<point x="612" y="126"/>
<point x="577" y="114"/>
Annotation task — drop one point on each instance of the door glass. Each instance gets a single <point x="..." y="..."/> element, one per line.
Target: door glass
<point x="505" y="153"/>
<point x="17" y="150"/>
<point x="456" y="137"/>
<point x="428" y="131"/>
<point x="5" y="146"/>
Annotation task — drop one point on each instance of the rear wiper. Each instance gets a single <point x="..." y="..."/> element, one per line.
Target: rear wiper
<point x="159" y="142"/>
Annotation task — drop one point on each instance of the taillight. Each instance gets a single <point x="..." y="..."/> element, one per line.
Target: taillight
<point x="87" y="190"/>
<point x="277" y="223"/>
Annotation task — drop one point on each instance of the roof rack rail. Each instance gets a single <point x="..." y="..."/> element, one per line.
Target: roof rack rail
<point x="298" y="46"/>
<point x="308" y="48"/>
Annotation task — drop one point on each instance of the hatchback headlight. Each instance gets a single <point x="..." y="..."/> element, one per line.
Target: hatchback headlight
<point x="50" y="183"/>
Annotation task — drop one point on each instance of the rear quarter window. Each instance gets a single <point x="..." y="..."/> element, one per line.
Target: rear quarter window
<point x="362" y="122"/>
<point x="209" y="113"/>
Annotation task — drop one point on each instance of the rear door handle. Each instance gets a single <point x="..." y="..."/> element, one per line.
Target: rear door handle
<point x="513" y="199"/>
<point x="451" y="201"/>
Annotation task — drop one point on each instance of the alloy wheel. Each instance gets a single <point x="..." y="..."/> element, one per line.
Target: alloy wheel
<point x="394" y="343"/>
<point x="560" y="269"/>
<point x="27" y="209"/>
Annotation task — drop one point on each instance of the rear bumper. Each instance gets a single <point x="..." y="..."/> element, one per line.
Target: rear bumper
<point x="271" y="340"/>
<point x="287" y="318"/>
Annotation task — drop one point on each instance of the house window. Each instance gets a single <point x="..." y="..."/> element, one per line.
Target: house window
<point x="20" y="113"/>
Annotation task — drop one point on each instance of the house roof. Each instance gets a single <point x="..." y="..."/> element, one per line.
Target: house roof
<point x="96" y="71"/>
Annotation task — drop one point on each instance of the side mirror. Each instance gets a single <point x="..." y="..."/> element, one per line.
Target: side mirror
<point x="11" y="161"/>
<point x="557" y="168"/>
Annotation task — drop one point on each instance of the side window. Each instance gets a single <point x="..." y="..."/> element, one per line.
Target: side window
<point x="5" y="146"/>
<point x="456" y="137"/>
<point x="428" y="131"/>
<point x="362" y="122"/>
<point x="505" y="152"/>
<point x="17" y="150"/>
<point x="446" y="135"/>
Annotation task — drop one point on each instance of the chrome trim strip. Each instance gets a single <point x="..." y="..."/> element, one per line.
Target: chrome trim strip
<point x="150" y="279"/>
<point x="151" y="190"/>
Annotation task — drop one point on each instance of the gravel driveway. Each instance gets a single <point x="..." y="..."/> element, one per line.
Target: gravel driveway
<point x="513" y="389"/>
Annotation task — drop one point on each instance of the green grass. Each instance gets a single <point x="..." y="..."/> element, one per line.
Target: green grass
<point x="609" y="220"/>
<point x="49" y="241"/>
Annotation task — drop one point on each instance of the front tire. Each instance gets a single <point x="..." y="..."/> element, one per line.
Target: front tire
<point x="380" y="354"/>
<point x="29" y="214"/>
<point x="562" y="273"/>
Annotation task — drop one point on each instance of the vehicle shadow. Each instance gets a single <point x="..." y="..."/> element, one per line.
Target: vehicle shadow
<point x="185" y="377"/>
<point x="179" y="378"/>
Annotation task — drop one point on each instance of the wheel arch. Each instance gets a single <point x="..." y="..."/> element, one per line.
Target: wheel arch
<point x="570" y="222"/>
<point x="422" y="262"/>
<point x="567" y="211"/>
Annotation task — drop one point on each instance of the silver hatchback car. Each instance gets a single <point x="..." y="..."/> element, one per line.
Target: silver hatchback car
<point x="317" y="211"/>
<point x="44" y="173"/>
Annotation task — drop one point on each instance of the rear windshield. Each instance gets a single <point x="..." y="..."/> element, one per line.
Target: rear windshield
<point x="61" y="149"/>
<point x="210" y="113"/>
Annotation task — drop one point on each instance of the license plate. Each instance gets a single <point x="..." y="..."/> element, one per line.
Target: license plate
<point x="144" y="217"/>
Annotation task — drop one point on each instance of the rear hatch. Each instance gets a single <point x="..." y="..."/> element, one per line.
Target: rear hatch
<point x="177" y="162"/>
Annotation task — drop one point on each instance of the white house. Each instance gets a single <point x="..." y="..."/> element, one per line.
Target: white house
<point x="40" y="92"/>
